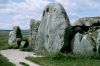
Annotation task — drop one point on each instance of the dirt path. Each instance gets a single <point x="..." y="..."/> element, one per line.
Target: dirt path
<point x="15" y="56"/>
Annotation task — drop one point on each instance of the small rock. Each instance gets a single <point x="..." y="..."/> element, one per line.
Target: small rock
<point x="24" y="44"/>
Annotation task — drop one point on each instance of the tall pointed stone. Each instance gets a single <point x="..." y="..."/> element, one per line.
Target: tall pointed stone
<point x="98" y="42"/>
<point x="77" y="43"/>
<point x="34" y="24"/>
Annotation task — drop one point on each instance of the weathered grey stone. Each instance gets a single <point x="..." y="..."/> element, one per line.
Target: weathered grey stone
<point x="88" y="21"/>
<point x="24" y="44"/>
<point x="76" y="43"/>
<point x="83" y="44"/>
<point x="15" y="36"/>
<point x="12" y="38"/>
<point x="87" y="44"/>
<point x="70" y="32"/>
<point x="52" y="28"/>
<point x="98" y="42"/>
<point x="33" y="32"/>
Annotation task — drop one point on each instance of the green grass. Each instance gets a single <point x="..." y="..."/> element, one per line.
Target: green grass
<point x="5" y="62"/>
<point x="4" y="35"/>
<point x="24" y="64"/>
<point x="4" y="45"/>
<point x="67" y="60"/>
<point x="4" y="40"/>
<point x="29" y="49"/>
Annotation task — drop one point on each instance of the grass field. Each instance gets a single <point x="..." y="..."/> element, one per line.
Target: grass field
<point x="4" y="40"/>
<point x="5" y="62"/>
<point x="67" y="60"/>
<point x="4" y="45"/>
<point x="51" y="59"/>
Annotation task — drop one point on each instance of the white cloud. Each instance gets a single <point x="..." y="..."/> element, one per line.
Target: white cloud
<point x="80" y="8"/>
<point x="22" y="12"/>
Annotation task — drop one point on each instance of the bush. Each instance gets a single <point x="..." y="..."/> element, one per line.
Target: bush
<point x="15" y="46"/>
<point x="95" y="56"/>
<point x="29" y="48"/>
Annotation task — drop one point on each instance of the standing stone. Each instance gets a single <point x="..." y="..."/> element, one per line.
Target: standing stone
<point x="12" y="38"/>
<point x="33" y="32"/>
<point x="87" y="44"/>
<point x="77" y="43"/>
<point x="52" y="28"/>
<point x="24" y="44"/>
<point x="70" y="32"/>
<point x="98" y="42"/>
<point x="83" y="44"/>
<point x="15" y="36"/>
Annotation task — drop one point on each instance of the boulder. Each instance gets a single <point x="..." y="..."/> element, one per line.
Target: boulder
<point x="88" y="21"/>
<point x="24" y="44"/>
<point x="52" y="28"/>
<point x="12" y="38"/>
<point x="76" y="43"/>
<point x="83" y="44"/>
<point x="33" y="32"/>
<point x="15" y="36"/>
<point x="70" y="32"/>
<point x="87" y="44"/>
<point x="98" y="41"/>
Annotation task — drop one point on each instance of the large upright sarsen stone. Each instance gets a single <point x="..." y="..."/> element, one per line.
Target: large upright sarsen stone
<point x="88" y="21"/>
<point x="52" y="28"/>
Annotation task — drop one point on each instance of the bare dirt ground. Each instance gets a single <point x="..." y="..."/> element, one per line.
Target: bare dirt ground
<point x="15" y="56"/>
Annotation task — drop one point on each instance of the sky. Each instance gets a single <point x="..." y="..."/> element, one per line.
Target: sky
<point x="19" y="12"/>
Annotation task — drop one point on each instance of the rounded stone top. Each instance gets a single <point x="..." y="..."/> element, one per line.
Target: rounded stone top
<point x="33" y="21"/>
<point x="54" y="8"/>
<point x="55" y="12"/>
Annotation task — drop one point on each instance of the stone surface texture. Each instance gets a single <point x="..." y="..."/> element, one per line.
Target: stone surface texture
<point x="52" y="28"/>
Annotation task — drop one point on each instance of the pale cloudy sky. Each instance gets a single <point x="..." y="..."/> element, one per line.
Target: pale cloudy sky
<point x="19" y="12"/>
